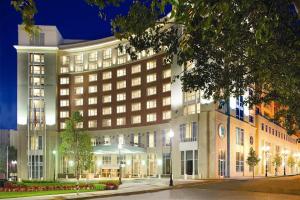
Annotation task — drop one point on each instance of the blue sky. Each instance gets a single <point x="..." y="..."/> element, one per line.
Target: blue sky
<point x="75" y="20"/>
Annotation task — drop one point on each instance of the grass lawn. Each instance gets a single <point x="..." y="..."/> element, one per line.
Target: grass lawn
<point x="4" y="195"/>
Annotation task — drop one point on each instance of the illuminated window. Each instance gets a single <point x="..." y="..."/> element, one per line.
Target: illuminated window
<point x="121" y="72"/>
<point x="79" y="59"/>
<point x="166" y="101"/>
<point x="106" y="63"/>
<point x="121" y="121"/>
<point x="151" y="140"/>
<point x="37" y="92"/>
<point x="107" y="54"/>
<point x="121" y="97"/>
<point x="167" y="73"/>
<point x="136" y="119"/>
<point x="151" y="78"/>
<point x="93" y="66"/>
<point x="78" y="102"/>
<point x="189" y="96"/>
<point x="135" y="69"/>
<point x="37" y="58"/>
<point x="166" y="115"/>
<point x="151" y="64"/>
<point x="106" y="111"/>
<point x="64" y="92"/>
<point x="167" y="87"/>
<point x="93" y="56"/>
<point x="151" y="117"/>
<point x="78" y="68"/>
<point x="121" y="53"/>
<point x="92" y="112"/>
<point x="64" y="103"/>
<point x="37" y="81"/>
<point x="79" y="125"/>
<point x="121" y="139"/>
<point x="121" y="84"/>
<point x="106" y="75"/>
<point x="37" y="70"/>
<point x="92" y="124"/>
<point x="121" y="60"/>
<point x="92" y="100"/>
<point x="106" y="87"/>
<point x="121" y="109"/>
<point x="135" y="106"/>
<point x="78" y="90"/>
<point x="64" y="80"/>
<point x="136" y="81"/>
<point x="64" y="114"/>
<point x="93" y="89"/>
<point x="106" y="98"/>
<point x="151" y="91"/>
<point x="80" y="112"/>
<point x="78" y="79"/>
<point x="65" y="60"/>
<point x="62" y="125"/>
<point x="151" y="104"/>
<point x="92" y="77"/>
<point x="64" y="70"/>
<point x="136" y="94"/>
<point x="106" y="122"/>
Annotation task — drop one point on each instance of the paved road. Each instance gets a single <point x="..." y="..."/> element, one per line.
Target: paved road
<point x="205" y="194"/>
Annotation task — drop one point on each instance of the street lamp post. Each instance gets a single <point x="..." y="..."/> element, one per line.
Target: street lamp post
<point x="120" y="164"/>
<point x="171" y="134"/>
<point x="266" y="149"/>
<point x="54" y="168"/>
<point x="284" y="153"/>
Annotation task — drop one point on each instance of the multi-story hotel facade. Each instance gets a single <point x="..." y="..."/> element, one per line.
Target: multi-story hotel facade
<point x="136" y="105"/>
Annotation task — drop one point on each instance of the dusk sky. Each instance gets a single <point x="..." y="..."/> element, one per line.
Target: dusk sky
<point x="77" y="20"/>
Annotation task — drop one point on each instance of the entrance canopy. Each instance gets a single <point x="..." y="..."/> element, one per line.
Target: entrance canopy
<point x="113" y="149"/>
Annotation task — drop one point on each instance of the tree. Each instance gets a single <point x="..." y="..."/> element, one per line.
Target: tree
<point x="76" y="144"/>
<point x="291" y="162"/>
<point x="277" y="161"/>
<point x="233" y="44"/>
<point x="252" y="160"/>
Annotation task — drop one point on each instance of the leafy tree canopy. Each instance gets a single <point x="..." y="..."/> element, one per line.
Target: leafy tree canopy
<point x="233" y="44"/>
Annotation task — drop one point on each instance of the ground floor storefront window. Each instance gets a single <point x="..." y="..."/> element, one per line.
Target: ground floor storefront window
<point x="189" y="162"/>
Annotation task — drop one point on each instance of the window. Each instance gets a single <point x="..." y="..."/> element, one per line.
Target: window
<point x="121" y="139"/>
<point x="92" y="100"/>
<point x="107" y="159"/>
<point x="37" y="92"/>
<point x="78" y="68"/>
<point x="151" y="64"/>
<point x="78" y="79"/>
<point x="65" y="60"/>
<point x="106" y="111"/>
<point x="151" y="91"/>
<point x="121" y="121"/>
<point x="78" y="102"/>
<point x="121" y="52"/>
<point x="64" y="80"/>
<point x="136" y="119"/>
<point x="121" y="109"/>
<point x="62" y="125"/>
<point x="167" y="87"/>
<point x="106" y="122"/>
<point x="166" y="101"/>
<point x="93" y="56"/>
<point x="167" y="73"/>
<point x="166" y="163"/>
<point x="121" y="84"/>
<point x="106" y="75"/>
<point x="37" y="70"/>
<point x="240" y="108"/>
<point x="78" y="90"/>
<point x="80" y="112"/>
<point x="107" y="54"/>
<point x="64" y="92"/>
<point x="121" y="60"/>
<point x="37" y="58"/>
<point x="121" y="72"/>
<point x="151" y="78"/>
<point x="64" y="114"/>
<point x="92" y="124"/>
<point x="64" y="103"/>
<point x="135" y="69"/>
<point x="136" y="94"/>
<point x="136" y="81"/>
<point x="79" y="125"/>
<point x="64" y="70"/>
<point x="239" y="136"/>
<point x="262" y="126"/>
<point x="93" y="89"/>
<point x="135" y="106"/>
<point x="106" y="87"/>
<point x="151" y="104"/>
<point x="166" y="115"/>
<point x="92" y="112"/>
<point x="92" y="77"/>
<point x="151" y="117"/>
<point x="121" y="97"/>
<point x="93" y="66"/>
<point x="106" y="98"/>
<point x="151" y="140"/>
<point x="79" y="59"/>
<point x="190" y="96"/>
<point x="239" y="162"/>
<point x="251" y="119"/>
<point x="106" y="63"/>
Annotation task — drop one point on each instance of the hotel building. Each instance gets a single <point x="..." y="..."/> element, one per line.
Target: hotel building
<point x="133" y="103"/>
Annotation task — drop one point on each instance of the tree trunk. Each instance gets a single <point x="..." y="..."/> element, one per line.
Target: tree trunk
<point x="252" y="172"/>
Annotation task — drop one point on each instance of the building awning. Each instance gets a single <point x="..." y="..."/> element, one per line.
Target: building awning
<point x="113" y="149"/>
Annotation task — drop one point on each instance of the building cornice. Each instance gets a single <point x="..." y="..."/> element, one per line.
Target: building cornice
<point x="21" y="48"/>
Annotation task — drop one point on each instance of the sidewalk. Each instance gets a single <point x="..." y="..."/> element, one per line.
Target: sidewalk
<point x="128" y="187"/>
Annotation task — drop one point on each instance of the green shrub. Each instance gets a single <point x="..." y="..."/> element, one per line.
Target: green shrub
<point x="99" y="186"/>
